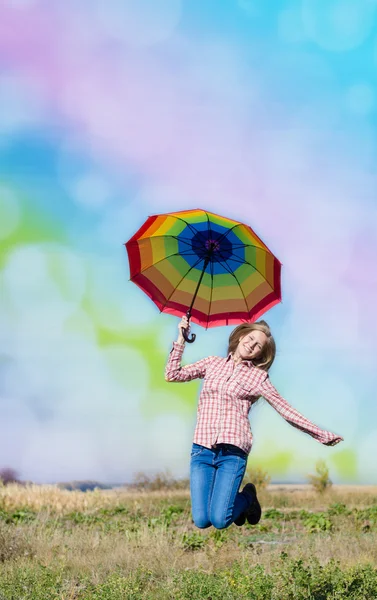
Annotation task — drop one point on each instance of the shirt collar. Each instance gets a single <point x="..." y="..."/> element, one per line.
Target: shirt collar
<point x="248" y="362"/>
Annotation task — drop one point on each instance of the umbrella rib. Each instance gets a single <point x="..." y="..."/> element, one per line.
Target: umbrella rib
<point x="189" y="224"/>
<point x="188" y="241"/>
<point x="211" y="271"/>
<point x="166" y="235"/>
<point x="179" y="283"/>
<point x="241" y="262"/>
<point x="223" y="235"/>
<point x="185" y="253"/>
<point x="239" y="285"/>
<point x="210" y="298"/>
<point x="245" y="262"/>
<point x="208" y="224"/>
<point x="252" y="246"/>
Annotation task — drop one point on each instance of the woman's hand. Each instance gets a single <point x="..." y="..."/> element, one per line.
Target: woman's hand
<point x="334" y="441"/>
<point x="185" y="323"/>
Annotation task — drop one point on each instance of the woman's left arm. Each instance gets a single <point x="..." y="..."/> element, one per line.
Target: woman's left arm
<point x="292" y="416"/>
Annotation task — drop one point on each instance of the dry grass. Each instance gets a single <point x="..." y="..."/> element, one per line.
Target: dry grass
<point x="137" y="541"/>
<point x="303" y="496"/>
<point x="50" y="498"/>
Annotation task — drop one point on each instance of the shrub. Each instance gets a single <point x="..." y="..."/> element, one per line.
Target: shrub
<point x="317" y="522"/>
<point x="321" y="481"/>
<point x="272" y="513"/>
<point x="193" y="541"/>
<point x="8" y="475"/>
<point x="83" y="486"/>
<point x="20" y="515"/>
<point x="168" y="515"/>
<point x="258" y="476"/>
<point x="163" y="480"/>
<point x="338" y="508"/>
<point x="219" y="537"/>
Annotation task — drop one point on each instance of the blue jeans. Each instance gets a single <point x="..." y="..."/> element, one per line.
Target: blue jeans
<point x="215" y="477"/>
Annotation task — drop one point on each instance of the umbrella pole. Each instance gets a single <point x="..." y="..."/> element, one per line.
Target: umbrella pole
<point x="188" y="314"/>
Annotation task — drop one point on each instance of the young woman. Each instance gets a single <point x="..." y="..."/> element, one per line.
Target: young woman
<point x="222" y="438"/>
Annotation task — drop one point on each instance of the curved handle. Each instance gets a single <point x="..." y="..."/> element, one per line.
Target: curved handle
<point x="189" y="340"/>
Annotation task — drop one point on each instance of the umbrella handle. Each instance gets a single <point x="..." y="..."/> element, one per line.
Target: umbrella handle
<point x="184" y="330"/>
<point x="186" y="337"/>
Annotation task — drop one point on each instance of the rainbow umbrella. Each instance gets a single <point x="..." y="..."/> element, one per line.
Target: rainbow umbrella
<point x="215" y="269"/>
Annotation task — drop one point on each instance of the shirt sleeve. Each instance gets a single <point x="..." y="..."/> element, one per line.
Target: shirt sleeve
<point x="175" y="372"/>
<point x="293" y="417"/>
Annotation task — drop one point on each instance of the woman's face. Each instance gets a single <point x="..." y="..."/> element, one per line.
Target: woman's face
<point x="251" y="345"/>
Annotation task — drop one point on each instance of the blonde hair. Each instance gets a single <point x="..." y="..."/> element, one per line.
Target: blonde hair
<point x="269" y="349"/>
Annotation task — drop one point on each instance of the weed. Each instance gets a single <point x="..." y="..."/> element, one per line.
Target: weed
<point x="219" y="537"/>
<point x="193" y="541"/>
<point x="159" y="481"/>
<point x="274" y="514"/>
<point x="321" y="480"/>
<point x="14" y="543"/>
<point x="317" y="522"/>
<point x="338" y="508"/>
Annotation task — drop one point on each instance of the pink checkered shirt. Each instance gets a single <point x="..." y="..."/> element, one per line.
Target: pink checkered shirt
<point x="228" y="393"/>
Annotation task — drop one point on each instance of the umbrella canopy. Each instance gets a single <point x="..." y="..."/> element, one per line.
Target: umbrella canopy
<point x="216" y="267"/>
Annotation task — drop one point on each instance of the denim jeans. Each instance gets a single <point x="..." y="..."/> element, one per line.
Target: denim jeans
<point x="215" y="477"/>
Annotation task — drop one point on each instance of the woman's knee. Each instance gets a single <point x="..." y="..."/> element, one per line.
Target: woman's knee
<point x="220" y="521"/>
<point x="202" y="522"/>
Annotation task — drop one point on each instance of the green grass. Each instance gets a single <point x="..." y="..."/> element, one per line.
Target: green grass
<point x="102" y="546"/>
<point x="290" y="579"/>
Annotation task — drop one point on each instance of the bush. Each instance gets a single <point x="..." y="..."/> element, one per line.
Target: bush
<point x="163" y="480"/>
<point x="321" y="481"/>
<point x="169" y="514"/>
<point x="83" y="486"/>
<point x="338" y="508"/>
<point x="272" y="513"/>
<point x="8" y="475"/>
<point x="317" y="522"/>
<point x="258" y="476"/>
<point x="193" y="541"/>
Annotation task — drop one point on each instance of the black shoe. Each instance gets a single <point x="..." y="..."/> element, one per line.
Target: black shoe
<point x="241" y="520"/>
<point x="254" y="512"/>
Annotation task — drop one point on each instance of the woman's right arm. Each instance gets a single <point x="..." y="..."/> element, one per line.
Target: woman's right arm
<point x="293" y="417"/>
<point x="173" y="370"/>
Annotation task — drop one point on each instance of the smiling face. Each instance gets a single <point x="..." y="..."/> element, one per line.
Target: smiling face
<point x="253" y="342"/>
<point x="250" y="346"/>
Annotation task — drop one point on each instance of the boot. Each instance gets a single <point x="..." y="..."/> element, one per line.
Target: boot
<point x="254" y="512"/>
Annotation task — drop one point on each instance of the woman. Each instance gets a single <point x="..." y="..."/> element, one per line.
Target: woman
<point x="222" y="438"/>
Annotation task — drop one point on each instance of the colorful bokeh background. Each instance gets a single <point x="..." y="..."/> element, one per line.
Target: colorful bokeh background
<point x="114" y="110"/>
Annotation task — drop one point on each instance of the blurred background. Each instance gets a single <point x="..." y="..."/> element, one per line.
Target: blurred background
<point x="114" y="110"/>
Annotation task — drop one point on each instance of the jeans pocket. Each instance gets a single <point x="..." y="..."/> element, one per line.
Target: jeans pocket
<point x="196" y="450"/>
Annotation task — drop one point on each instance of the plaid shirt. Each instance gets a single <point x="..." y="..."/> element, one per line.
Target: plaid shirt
<point x="228" y="393"/>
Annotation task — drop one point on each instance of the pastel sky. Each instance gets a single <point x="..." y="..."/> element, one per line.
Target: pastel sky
<point x="111" y="111"/>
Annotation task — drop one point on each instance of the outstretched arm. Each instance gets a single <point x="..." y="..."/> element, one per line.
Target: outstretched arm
<point x="173" y="370"/>
<point x="292" y="416"/>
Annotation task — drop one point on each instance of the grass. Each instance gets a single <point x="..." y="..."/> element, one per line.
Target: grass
<point x="128" y="544"/>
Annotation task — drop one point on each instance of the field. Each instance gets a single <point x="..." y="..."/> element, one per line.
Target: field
<point x="129" y="544"/>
